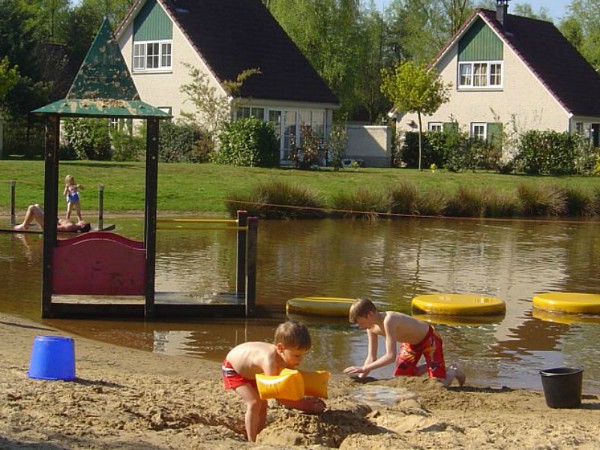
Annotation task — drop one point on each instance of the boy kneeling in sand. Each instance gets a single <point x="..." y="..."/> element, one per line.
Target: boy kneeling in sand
<point x="245" y="361"/>
<point x="416" y="339"/>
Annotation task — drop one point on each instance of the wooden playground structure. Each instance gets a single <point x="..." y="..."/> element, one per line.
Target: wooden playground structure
<point x="100" y="274"/>
<point x="103" y="274"/>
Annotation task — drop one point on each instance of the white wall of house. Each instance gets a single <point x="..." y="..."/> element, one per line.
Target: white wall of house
<point x="523" y="103"/>
<point x="162" y="88"/>
<point x="369" y="143"/>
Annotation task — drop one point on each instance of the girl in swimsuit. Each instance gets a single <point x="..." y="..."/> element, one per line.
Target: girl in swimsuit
<point x="71" y="193"/>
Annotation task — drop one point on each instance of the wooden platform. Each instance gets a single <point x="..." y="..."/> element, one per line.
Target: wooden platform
<point x="166" y="304"/>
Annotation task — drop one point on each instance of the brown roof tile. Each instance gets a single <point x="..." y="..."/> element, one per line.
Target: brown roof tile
<point x="558" y="65"/>
<point x="236" y="35"/>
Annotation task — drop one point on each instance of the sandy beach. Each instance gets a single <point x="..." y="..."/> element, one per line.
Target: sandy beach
<point x="128" y="399"/>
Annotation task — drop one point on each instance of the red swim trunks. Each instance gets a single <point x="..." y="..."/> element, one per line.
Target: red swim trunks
<point x="431" y="348"/>
<point x="232" y="379"/>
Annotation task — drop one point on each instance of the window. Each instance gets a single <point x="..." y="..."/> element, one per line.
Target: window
<point x="479" y="131"/>
<point x="152" y="56"/>
<point x="245" y="112"/>
<point x="480" y="74"/>
<point x="435" y="126"/>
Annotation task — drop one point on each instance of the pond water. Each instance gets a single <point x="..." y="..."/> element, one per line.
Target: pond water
<point x="389" y="261"/>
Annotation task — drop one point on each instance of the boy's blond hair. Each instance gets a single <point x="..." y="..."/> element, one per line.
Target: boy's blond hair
<point x="293" y="334"/>
<point x="360" y="308"/>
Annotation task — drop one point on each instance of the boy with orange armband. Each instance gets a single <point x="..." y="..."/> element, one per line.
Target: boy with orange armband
<point x="245" y="361"/>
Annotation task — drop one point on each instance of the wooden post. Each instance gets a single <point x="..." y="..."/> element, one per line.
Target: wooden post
<point x="251" y="266"/>
<point x="240" y="280"/>
<point x="50" y="209"/>
<point x="101" y="207"/>
<point x="13" y="185"/>
<point x="150" y="212"/>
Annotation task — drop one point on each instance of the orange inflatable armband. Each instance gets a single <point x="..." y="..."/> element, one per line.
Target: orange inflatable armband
<point x="285" y="386"/>
<point x="315" y="383"/>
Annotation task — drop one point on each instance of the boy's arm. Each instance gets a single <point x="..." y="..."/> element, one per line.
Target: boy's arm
<point x="371" y="355"/>
<point x="390" y="349"/>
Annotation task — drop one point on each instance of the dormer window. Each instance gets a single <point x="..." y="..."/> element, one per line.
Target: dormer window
<point x="480" y="74"/>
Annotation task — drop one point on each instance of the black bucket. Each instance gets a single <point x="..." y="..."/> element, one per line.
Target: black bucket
<point x="562" y="387"/>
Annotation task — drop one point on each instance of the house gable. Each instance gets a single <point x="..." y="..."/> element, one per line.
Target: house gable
<point x="152" y="23"/>
<point x="480" y="43"/>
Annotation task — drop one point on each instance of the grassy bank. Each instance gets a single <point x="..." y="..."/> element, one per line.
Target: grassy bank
<point x="206" y="187"/>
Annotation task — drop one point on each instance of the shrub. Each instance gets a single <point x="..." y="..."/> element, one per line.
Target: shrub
<point x="546" y="152"/>
<point x="183" y="141"/>
<point x="587" y="158"/>
<point x="336" y="145"/>
<point x="363" y="203"/>
<point x="403" y="198"/>
<point x="542" y="200"/>
<point x="310" y="153"/>
<point x="432" y="203"/>
<point x="579" y="203"/>
<point x="466" y="203"/>
<point x="126" y="145"/>
<point x="248" y="142"/>
<point x="409" y="151"/>
<point x="277" y="200"/>
<point x="87" y="138"/>
<point x="500" y="204"/>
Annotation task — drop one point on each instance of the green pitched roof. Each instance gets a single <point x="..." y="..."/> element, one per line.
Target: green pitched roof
<point x="103" y="86"/>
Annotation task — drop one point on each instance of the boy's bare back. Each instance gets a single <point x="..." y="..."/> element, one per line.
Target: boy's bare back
<point x="251" y="358"/>
<point x="403" y="328"/>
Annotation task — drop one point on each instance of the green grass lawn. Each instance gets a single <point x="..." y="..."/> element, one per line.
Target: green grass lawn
<point x="205" y="187"/>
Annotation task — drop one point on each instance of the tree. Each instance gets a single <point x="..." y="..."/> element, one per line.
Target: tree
<point x="582" y="27"/>
<point x="414" y="88"/>
<point x="8" y="78"/>
<point x="328" y="34"/>
<point x="420" y="28"/>
<point x="213" y="110"/>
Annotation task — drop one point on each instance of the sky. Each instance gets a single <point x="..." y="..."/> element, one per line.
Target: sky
<point x="556" y="8"/>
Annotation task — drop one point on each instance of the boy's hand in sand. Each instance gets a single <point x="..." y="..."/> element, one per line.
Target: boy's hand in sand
<point x="354" y="369"/>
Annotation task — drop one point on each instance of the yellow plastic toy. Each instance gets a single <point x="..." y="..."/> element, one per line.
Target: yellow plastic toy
<point x="293" y="384"/>
<point x="315" y="383"/>
<point x="285" y="386"/>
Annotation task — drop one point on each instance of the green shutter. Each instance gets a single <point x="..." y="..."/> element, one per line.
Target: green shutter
<point x="494" y="133"/>
<point x="450" y="127"/>
<point x="480" y="43"/>
<point x="152" y="23"/>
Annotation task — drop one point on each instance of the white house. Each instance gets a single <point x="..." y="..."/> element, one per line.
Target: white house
<point x="512" y="71"/>
<point x="223" y="38"/>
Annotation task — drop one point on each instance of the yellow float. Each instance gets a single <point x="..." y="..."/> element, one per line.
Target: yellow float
<point x="564" y="318"/>
<point x="293" y="384"/>
<point x="319" y="306"/>
<point x="459" y="304"/>
<point x="445" y="319"/>
<point x="568" y="302"/>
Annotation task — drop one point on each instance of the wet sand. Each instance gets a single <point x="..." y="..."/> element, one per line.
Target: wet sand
<point x="129" y="399"/>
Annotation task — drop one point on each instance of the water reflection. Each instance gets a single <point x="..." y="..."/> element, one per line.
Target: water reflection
<point x="388" y="261"/>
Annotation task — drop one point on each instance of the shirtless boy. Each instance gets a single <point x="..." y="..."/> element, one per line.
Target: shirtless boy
<point x="244" y="361"/>
<point x="416" y="339"/>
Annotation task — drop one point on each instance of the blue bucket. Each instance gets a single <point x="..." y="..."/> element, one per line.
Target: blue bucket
<point x="52" y="358"/>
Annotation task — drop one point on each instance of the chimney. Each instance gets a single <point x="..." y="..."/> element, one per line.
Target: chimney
<point x="501" y="10"/>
